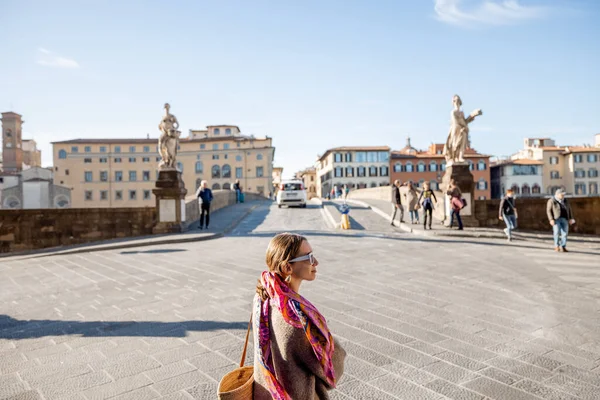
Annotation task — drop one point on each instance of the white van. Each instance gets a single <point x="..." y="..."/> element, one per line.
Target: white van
<point x="291" y="192"/>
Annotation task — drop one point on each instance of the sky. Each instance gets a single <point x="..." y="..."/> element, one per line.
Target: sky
<point x="310" y="74"/>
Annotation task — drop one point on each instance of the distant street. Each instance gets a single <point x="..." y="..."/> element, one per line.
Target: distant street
<point x="420" y="318"/>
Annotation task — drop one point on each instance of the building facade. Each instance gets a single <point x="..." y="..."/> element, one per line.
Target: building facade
<point x="277" y="177"/>
<point x="23" y="183"/>
<point x="122" y="172"/>
<point x="572" y="168"/>
<point x="309" y="178"/>
<point x="416" y="166"/>
<point x="357" y="167"/>
<point x="523" y="176"/>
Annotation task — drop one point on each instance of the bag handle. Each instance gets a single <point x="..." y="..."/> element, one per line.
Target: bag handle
<point x="246" y="344"/>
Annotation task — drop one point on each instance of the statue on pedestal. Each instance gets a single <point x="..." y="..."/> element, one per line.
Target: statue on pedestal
<point x="458" y="137"/>
<point x="168" y="140"/>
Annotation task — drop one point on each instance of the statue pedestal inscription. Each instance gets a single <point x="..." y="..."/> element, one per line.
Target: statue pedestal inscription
<point x="170" y="202"/>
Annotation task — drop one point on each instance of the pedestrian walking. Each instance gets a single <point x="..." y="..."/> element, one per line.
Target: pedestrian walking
<point x="295" y="355"/>
<point x="412" y="203"/>
<point x="508" y="213"/>
<point x="205" y="196"/>
<point x="346" y="191"/>
<point x="456" y="204"/>
<point x="397" y="202"/>
<point x="238" y="190"/>
<point x="560" y="216"/>
<point x="427" y="199"/>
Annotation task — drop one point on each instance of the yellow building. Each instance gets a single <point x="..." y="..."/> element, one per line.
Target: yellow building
<point x="309" y="178"/>
<point x="122" y="172"/>
<point x="573" y="168"/>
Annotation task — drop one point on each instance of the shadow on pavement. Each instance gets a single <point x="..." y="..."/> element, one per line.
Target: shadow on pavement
<point x="15" y="329"/>
<point x="157" y="251"/>
<point x="252" y="220"/>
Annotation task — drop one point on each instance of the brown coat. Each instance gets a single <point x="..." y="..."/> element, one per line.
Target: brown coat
<point x="296" y="365"/>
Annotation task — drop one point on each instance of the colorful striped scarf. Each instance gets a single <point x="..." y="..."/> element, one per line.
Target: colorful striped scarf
<point x="299" y="313"/>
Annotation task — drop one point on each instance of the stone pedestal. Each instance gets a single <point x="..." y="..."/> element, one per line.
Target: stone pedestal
<point x="170" y="202"/>
<point x="461" y="174"/>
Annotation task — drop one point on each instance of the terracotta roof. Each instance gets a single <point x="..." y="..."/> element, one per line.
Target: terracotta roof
<point x="550" y="148"/>
<point x="425" y="155"/>
<point x="11" y="113"/>
<point x="581" y="149"/>
<point x="223" y="126"/>
<point x="153" y="140"/>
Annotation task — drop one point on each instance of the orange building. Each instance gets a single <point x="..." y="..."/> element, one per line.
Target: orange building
<point x="410" y="164"/>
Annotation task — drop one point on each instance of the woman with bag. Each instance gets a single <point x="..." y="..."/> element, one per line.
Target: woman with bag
<point x="457" y="203"/>
<point x="412" y="201"/>
<point x="428" y="198"/>
<point x="295" y="355"/>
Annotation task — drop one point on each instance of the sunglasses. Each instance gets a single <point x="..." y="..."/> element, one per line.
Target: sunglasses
<point x="308" y="257"/>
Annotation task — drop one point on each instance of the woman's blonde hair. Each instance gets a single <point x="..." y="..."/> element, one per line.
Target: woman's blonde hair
<point x="282" y="248"/>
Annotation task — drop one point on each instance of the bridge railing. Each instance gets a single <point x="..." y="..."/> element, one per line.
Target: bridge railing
<point x="385" y="193"/>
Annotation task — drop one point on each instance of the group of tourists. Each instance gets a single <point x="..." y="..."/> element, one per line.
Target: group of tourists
<point x="558" y="211"/>
<point x="414" y="201"/>
<point x="339" y="192"/>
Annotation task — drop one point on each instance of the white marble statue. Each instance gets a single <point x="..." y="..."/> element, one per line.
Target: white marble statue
<point x="458" y="137"/>
<point x="168" y="140"/>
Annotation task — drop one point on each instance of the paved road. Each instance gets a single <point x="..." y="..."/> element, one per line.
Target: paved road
<point x="420" y="318"/>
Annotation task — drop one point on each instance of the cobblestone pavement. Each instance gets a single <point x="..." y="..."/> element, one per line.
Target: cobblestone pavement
<point x="420" y="318"/>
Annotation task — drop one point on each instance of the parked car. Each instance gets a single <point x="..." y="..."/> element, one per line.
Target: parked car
<point x="291" y="192"/>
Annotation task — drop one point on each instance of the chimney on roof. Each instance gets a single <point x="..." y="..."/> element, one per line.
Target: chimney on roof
<point x="147" y="136"/>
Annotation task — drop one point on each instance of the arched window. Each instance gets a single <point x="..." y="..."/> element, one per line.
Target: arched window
<point x="62" y="154"/>
<point x="535" y="189"/>
<point x="471" y="165"/>
<point x="372" y="171"/>
<point x="216" y="171"/>
<point x="179" y="166"/>
<point x="12" y="202"/>
<point x="482" y="184"/>
<point x="226" y="186"/>
<point x="433" y="167"/>
<point x="217" y="131"/>
<point x="443" y="166"/>
<point x="238" y="158"/>
<point x="259" y="156"/>
<point x="361" y="171"/>
<point x="61" y="201"/>
<point x="397" y="167"/>
<point x="226" y="171"/>
<point x="481" y="165"/>
<point x="515" y="188"/>
<point x="362" y="185"/>
<point x="409" y="167"/>
<point x="216" y="186"/>
<point x="433" y="185"/>
<point x="373" y="184"/>
<point x="199" y="167"/>
<point x="421" y="166"/>
<point x="525" y="190"/>
<point x="228" y="131"/>
<point x="420" y="184"/>
<point x="198" y="183"/>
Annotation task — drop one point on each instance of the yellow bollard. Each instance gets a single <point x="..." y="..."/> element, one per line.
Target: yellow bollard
<point x="345" y="221"/>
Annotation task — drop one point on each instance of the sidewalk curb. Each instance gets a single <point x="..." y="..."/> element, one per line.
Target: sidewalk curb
<point x="481" y="235"/>
<point x="327" y="215"/>
<point x="127" y="245"/>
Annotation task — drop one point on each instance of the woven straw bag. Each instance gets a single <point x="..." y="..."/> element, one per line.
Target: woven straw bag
<point x="239" y="383"/>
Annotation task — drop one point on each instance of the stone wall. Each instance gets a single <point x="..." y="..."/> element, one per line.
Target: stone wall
<point x="385" y="193"/>
<point x="41" y="228"/>
<point x="532" y="214"/>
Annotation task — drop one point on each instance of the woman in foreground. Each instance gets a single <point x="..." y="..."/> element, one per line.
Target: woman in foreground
<point x="295" y="355"/>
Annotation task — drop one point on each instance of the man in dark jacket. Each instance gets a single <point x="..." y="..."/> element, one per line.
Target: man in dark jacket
<point x="397" y="202"/>
<point x="508" y="213"/>
<point x="205" y="196"/>
<point x="560" y="216"/>
<point x="238" y="190"/>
